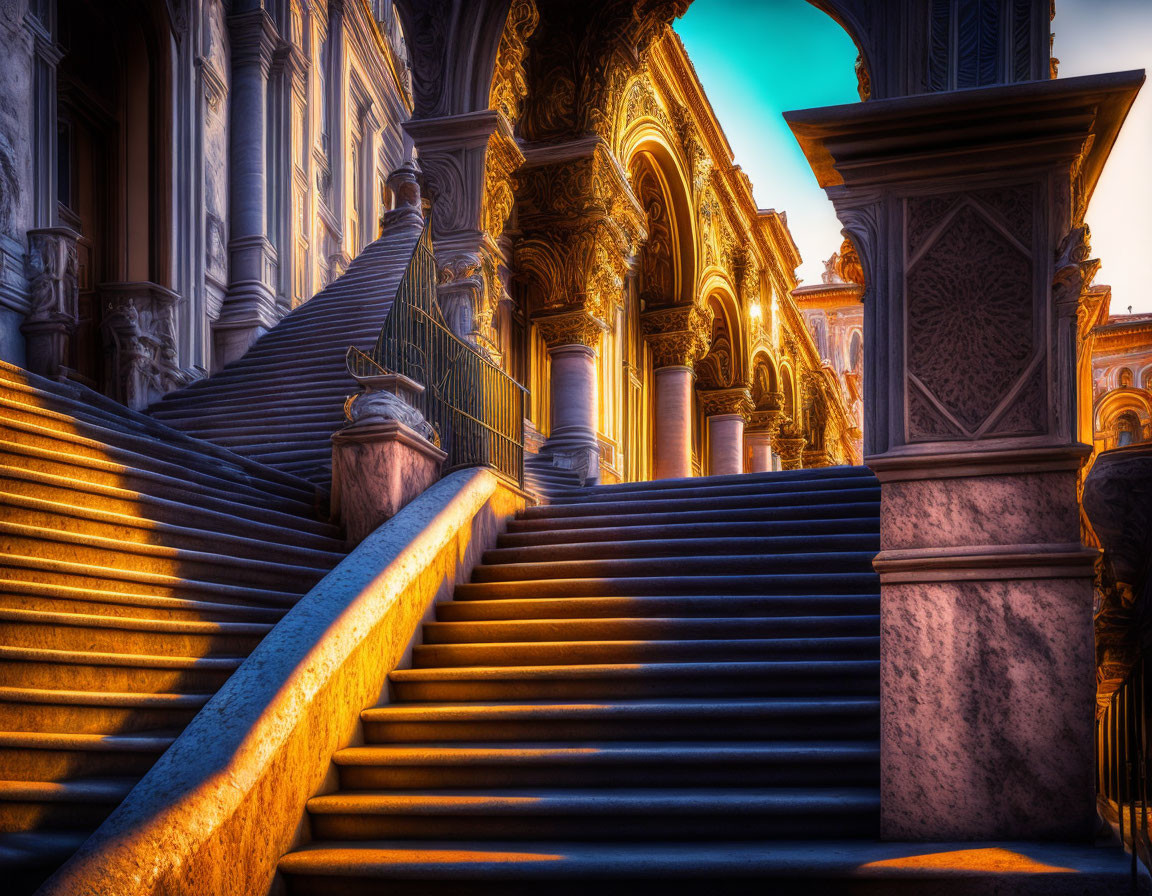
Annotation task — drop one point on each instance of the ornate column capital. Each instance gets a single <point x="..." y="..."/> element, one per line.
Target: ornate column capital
<point x="736" y="401"/>
<point x="572" y="327"/>
<point x="253" y="38"/>
<point x="788" y="442"/>
<point x="580" y="225"/>
<point x="678" y="335"/>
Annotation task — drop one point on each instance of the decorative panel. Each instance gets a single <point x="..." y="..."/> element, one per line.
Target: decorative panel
<point x="971" y="316"/>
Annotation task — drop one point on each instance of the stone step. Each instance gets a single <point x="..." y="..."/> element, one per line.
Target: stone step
<point x="477" y="633"/>
<point x="280" y="545"/>
<point x="30" y="489"/>
<point x="788" y="867"/>
<point x="167" y="484"/>
<point x="660" y="606"/>
<point x="838" y="678"/>
<point x="662" y="503"/>
<point x="687" y="533"/>
<point x="681" y="814"/>
<point x="748" y="484"/>
<point x="710" y="718"/>
<point x="58" y="598"/>
<point x="57" y="756"/>
<point x="28" y="805"/>
<point x="768" y="547"/>
<point x="832" y="508"/>
<point x="99" y="552"/>
<point x="750" y="481"/>
<point x="64" y="711"/>
<point x="181" y="409"/>
<point x="28" y="857"/>
<point x="44" y="669"/>
<point x="740" y="580"/>
<point x="562" y="653"/>
<point x="555" y="766"/>
<point x="130" y="635"/>
<point x="174" y="465"/>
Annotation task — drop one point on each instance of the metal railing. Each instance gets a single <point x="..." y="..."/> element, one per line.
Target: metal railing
<point x="1122" y="762"/>
<point x="475" y="407"/>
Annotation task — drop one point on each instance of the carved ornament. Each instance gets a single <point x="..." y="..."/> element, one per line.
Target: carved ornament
<point x="574" y="327"/>
<point x="678" y="335"/>
<point x="716" y="402"/>
<point x="509" y="80"/>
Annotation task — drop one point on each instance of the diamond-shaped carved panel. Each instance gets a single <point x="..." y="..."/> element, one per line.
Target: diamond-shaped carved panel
<point x="970" y="318"/>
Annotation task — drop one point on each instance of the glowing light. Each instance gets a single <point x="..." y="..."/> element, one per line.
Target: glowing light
<point x="755" y="310"/>
<point x="985" y="859"/>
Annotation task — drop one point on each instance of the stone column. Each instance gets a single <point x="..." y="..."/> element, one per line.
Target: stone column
<point x="678" y="337"/>
<point x="579" y="227"/>
<point x="987" y="655"/>
<point x="250" y="304"/>
<point x="759" y="444"/>
<point x="575" y="393"/>
<point x="726" y="410"/>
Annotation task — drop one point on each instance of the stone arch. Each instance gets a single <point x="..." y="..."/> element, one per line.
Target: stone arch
<point x="765" y="381"/>
<point x="1119" y="404"/>
<point x="788" y="387"/>
<point x="659" y="184"/>
<point x="726" y="363"/>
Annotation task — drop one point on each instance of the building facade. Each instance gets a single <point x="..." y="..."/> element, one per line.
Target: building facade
<point x="171" y="197"/>
<point x="1122" y="381"/>
<point x="177" y="176"/>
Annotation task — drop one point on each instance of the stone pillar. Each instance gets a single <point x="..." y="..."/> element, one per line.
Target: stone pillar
<point x="54" y="287"/>
<point x="250" y="304"/>
<point x="726" y="410"/>
<point x="759" y="442"/>
<point x="579" y="227"/>
<point x="672" y="440"/>
<point x="384" y="457"/>
<point x="575" y="393"/>
<point x="987" y="659"/>
<point x="678" y="336"/>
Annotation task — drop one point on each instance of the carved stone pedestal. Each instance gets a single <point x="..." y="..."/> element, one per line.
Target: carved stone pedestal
<point x="987" y="672"/>
<point x="385" y="458"/>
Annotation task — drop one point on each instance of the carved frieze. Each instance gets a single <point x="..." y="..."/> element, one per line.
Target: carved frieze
<point x="788" y="443"/>
<point x="139" y="327"/>
<point x="53" y="274"/>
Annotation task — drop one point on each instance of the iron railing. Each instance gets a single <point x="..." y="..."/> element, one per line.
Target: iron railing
<point x="1122" y="762"/>
<point x="475" y="407"/>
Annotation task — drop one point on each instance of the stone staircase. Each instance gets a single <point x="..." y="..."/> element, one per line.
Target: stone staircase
<point x="140" y="567"/>
<point x="542" y="478"/>
<point x="640" y="682"/>
<point x="280" y="403"/>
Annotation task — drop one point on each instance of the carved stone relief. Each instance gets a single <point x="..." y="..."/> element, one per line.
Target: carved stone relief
<point x="139" y="327"/>
<point x="971" y="341"/>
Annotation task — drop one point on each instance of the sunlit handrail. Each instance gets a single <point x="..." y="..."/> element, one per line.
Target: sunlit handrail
<point x="475" y="407"/>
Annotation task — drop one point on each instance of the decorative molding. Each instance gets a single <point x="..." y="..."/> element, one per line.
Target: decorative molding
<point x="678" y="335"/>
<point x="574" y="327"/>
<point x="717" y="402"/>
<point x="509" y="80"/>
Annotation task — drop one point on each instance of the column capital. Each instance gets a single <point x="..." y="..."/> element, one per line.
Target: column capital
<point x="580" y="225"/>
<point x="253" y="38"/>
<point x="734" y="402"/>
<point x="572" y="327"/>
<point x="679" y="335"/>
<point x="788" y="442"/>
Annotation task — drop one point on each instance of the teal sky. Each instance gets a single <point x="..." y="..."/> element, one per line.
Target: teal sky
<point x="760" y="58"/>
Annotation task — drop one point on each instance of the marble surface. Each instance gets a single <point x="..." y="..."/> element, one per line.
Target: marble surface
<point x="980" y="510"/>
<point x="987" y="710"/>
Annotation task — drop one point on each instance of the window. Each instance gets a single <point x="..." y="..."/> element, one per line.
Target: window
<point x="1124" y="378"/>
<point x="1127" y="429"/>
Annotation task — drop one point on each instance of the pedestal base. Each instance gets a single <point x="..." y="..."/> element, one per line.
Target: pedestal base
<point x="377" y="468"/>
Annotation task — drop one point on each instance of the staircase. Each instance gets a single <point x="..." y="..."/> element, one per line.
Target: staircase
<point x="140" y="567"/>
<point x="641" y="682"/>
<point x="280" y="403"/>
<point x="542" y="478"/>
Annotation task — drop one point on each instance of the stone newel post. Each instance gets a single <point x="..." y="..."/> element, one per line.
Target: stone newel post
<point x="959" y="205"/>
<point x="53" y="277"/>
<point x="386" y="456"/>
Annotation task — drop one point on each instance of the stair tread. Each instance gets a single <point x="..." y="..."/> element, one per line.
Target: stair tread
<point x="602" y="752"/>
<point x="103" y="698"/>
<point x="465" y="711"/>
<point x="607" y="670"/>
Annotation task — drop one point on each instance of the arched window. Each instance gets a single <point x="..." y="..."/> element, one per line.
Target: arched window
<point x="1127" y="429"/>
<point x="855" y="351"/>
<point x="1124" y="378"/>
